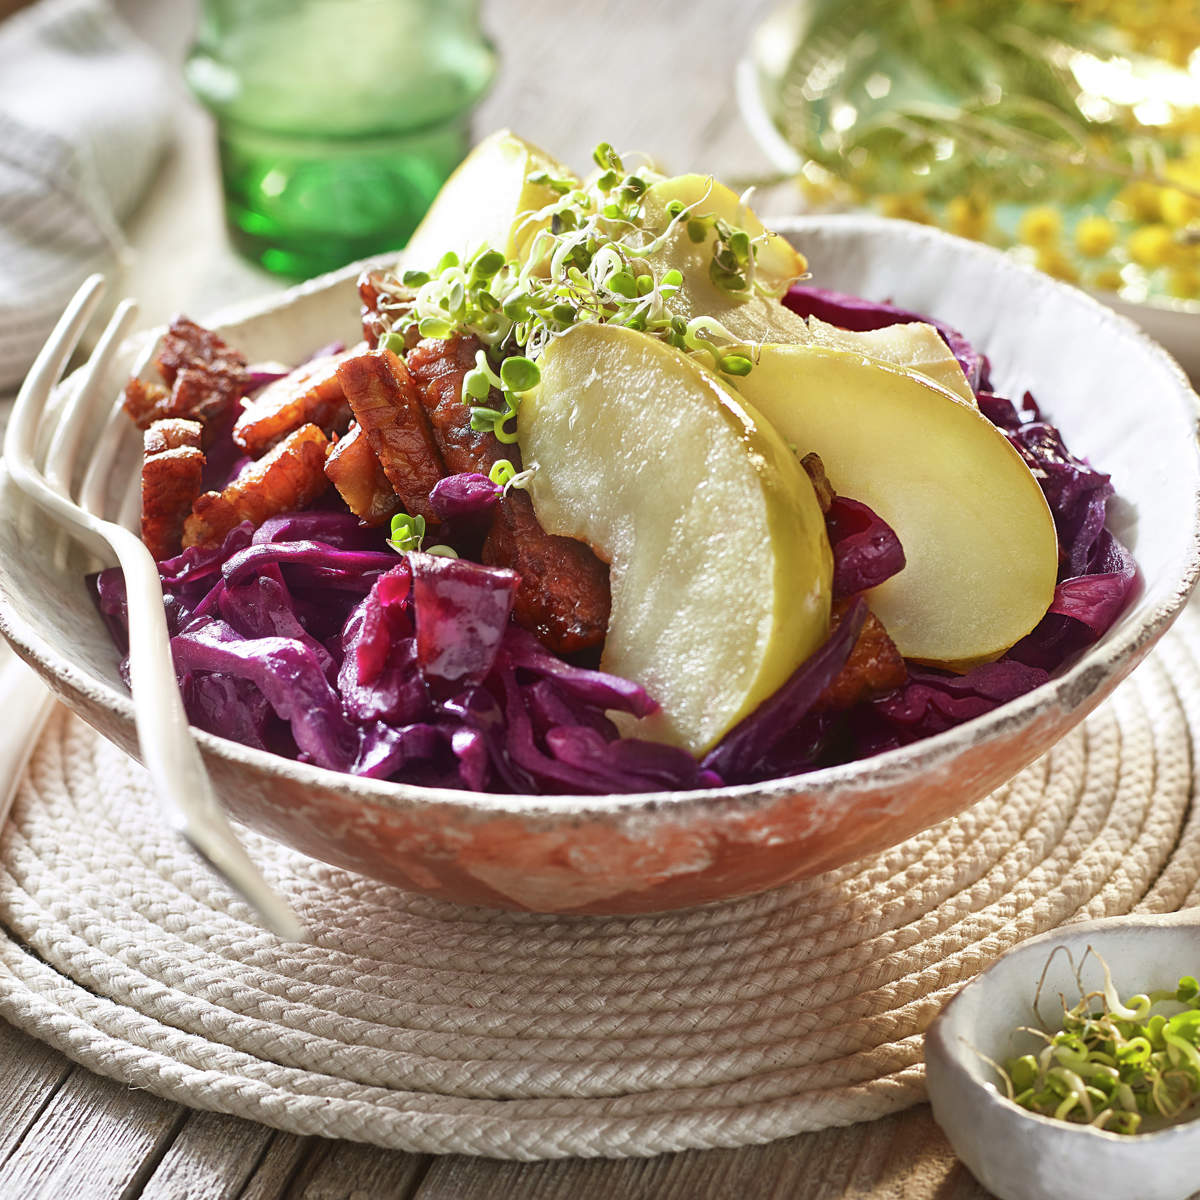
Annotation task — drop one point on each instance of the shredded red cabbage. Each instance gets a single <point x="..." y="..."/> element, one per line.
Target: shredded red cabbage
<point x="468" y="496"/>
<point x="309" y="637"/>
<point x="866" y="550"/>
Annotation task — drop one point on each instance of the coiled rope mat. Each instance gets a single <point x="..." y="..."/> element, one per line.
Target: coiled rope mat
<point x="425" y="1027"/>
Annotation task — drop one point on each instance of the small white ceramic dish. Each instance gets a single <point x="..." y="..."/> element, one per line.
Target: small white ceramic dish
<point x="1020" y="1155"/>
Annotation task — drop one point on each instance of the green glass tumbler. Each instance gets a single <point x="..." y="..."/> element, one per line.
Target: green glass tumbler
<point x="337" y="120"/>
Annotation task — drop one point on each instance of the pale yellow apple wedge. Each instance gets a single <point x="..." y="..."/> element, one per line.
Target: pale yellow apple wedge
<point x="982" y="555"/>
<point x="913" y="345"/>
<point x="754" y="319"/>
<point x="720" y="565"/>
<point x="487" y="202"/>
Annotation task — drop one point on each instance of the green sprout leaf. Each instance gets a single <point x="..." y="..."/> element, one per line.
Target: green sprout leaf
<point x="502" y="472"/>
<point x="407" y="533"/>
<point x="519" y="374"/>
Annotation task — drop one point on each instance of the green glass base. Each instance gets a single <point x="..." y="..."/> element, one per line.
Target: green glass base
<point x="299" y="207"/>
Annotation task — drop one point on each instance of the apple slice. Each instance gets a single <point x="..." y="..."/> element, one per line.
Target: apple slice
<point x="720" y="566"/>
<point x="754" y="319"/>
<point x="981" y="550"/>
<point x="486" y="202"/>
<point x="915" y="346"/>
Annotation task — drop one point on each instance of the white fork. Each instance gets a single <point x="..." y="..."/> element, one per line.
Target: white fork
<point x="168" y="750"/>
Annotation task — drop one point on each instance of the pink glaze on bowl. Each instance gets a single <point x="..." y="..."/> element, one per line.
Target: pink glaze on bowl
<point x="1119" y="399"/>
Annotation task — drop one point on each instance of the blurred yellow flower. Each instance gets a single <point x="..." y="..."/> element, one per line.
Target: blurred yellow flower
<point x="1094" y="236"/>
<point x="1151" y="246"/>
<point x="1040" y="225"/>
<point x="1184" y="282"/>
<point x="969" y="216"/>
<point x="1054" y="262"/>
<point x="1107" y="279"/>
<point x="906" y="206"/>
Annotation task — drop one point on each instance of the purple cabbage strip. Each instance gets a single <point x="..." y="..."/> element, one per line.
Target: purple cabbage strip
<point x="379" y="678"/>
<point x="357" y="568"/>
<point x="289" y="675"/>
<point x="342" y="530"/>
<point x="464" y="497"/>
<point x="461" y="613"/>
<point x="933" y="701"/>
<point x="866" y="550"/>
<point x="228" y="706"/>
<point x="855" y="313"/>
<point x="605" y="691"/>
<point x="737" y="756"/>
<point x="198" y="564"/>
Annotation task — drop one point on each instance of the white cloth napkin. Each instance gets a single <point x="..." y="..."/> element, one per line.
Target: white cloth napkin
<point x="85" y="111"/>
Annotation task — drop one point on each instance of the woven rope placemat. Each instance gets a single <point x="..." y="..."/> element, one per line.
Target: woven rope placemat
<point x="418" y="1025"/>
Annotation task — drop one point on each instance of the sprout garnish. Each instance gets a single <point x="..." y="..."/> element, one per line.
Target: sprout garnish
<point x="587" y="260"/>
<point x="505" y="476"/>
<point x="1114" y="1065"/>
<point x="408" y="533"/>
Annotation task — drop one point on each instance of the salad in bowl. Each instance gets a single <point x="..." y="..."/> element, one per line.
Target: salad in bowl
<point x="626" y="562"/>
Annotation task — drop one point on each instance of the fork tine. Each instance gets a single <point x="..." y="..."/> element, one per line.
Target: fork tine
<point x="75" y="415"/>
<point x="96" y="478"/>
<point x="73" y="419"/>
<point x="20" y="438"/>
<point x="47" y="369"/>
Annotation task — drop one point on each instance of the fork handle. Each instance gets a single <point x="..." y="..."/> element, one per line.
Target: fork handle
<point x="169" y="751"/>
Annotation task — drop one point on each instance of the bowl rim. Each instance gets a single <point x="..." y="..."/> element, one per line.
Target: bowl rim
<point x="951" y="1051"/>
<point x="888" y="769"/>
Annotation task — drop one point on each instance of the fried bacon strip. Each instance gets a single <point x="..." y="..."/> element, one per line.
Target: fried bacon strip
<point x="874" y="665"/>
<point x="360" y="480"/>
<point x="385" y="403"/>
<point x="382" y="300"/>
<point x="289" y="477"/>
<point x="171" y="474"/>
<point x="205" y="376"/>
<point x="310" y="395"/>
<point x="563" y="597"/>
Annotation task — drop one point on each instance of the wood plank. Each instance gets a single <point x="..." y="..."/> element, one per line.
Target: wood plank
<point x="33" y="1072"/>
<point x="897" y="1158"/>
<point x="93" y="1130"/>
<point x="279" y="1167"/>
<point x="211" y="1158"/>
<point x="352" y="1171"/>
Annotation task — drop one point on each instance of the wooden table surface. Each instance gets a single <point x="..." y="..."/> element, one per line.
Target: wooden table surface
<point x="66" y="1133"/>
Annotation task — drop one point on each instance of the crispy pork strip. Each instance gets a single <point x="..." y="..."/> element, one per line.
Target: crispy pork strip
<point x="383" y="302"/>
<point x="385" y="403"/>
<point x="360" y="480"/>
<point x="310" y="395"/>
<point x="171" y="474"/>
<point x="289" y="477"/>
<point x="206" y="378"/>
<point x="874" y="665"/>
<point x="146" y="402"/>
<point x="563" y="597"/>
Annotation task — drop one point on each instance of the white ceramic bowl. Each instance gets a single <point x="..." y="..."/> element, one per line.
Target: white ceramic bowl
<point x="1118" y="399"/>
<point x="1020" y="1155"/>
